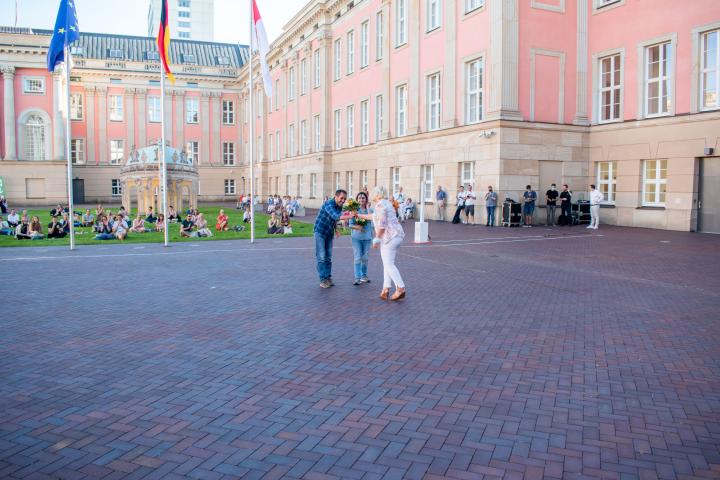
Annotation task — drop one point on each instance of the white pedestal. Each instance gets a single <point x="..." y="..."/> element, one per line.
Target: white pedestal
<point x="421" y="232"/>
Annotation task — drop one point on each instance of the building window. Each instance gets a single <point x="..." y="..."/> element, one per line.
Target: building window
<point x="222" y="60"/>
<point x="35" y="138"/>
<point x="467" y="174"/>
<point x="184" y="24"/>
<point x="185" y="35"/>
<point x="152" y="56"/>
<point x="338" y="59"/>
<point x="189" y="58"/>
<point x="474" y="96"/>
<point x="287" y="185"/>
<point x="607" y="179"/>
<point x="401" y="110"/>
<point x="299" y="189"/>
<point x="115" y="187"/>
<point x="154" y="109"/>
<point x="658" y="73"/>
<point x="316" y="132"/>
<point x="183" y="14"/>
<point x="337" y="181"/>
<point x="316" y="68"/>
<point x="364" y="122"/>
<point x="304" y="147"/>
<point x="349" y="183"/>
<point x="364" y="44"/>
<point x="229" y="186"/>
<point x="193" y="152"/>
<point x="401" y="29"/>
<point x="395" y="176"/>
<point x="191" y="110"/>
<point x="116" y="53"/>
<point x="34" y="85"/>
<point x="77" y="151"/>
<point x="260" y="149"/>
<point x="116" y="108"/>
<point x="303" y="77"/>
<point x="271" y="148"/>
<point x="378" y="117"/>
<point x="228" y="112"/>
<point x="277" y="145"/>
<point x="610" y="88"/>
<point x="427" y="179"/>
<point x="351" y="126"/>
<point x="184" y="3"/>
<point x="76" y="107"/>
<point x="654" y="183"/>
<point x="313" y="185"/>
<point x="379" y="36"/>
<point x="117" y="151"/>
<point x="433" y="14"/>
<point x="471" y="5"/>
<point x="291" y="84"/>
<point x="228" y="153"/>
<point x="338" y="131"/>
<point x="602" y="3"/>
<point x="291" y="140"/>
<point x="433" y="102"/>
<point x="364" y="179"/>
<point x="710" y="73"/>
<point x="350" y="52"/>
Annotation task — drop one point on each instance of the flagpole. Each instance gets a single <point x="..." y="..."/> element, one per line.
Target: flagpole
<point x="163" y="176"/>
<point x="68" y="154"/>
<point x="252" y="131"/>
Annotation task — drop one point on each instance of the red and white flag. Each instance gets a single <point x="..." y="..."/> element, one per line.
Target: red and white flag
<point x="259" y="43"/>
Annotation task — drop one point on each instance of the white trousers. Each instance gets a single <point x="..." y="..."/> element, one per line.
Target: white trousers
<point x="594" y="215"/>
<point x="388" y="251"/>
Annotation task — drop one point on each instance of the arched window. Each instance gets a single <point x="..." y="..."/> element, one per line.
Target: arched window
<point x="35" y="138"/>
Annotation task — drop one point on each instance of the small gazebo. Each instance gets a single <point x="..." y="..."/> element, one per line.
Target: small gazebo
<point x="140" y="179"/>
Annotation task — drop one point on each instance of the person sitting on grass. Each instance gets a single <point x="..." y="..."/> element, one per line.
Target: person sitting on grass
<point x="22" y="232"/>
<point x="13" y="219"/>
<point x="25" y="217"/>
<point x="172" y="214"/>
<point x="274" y="225"/>
<point x="57" y="211"/>
<point x="103" y="229"/>
<point x="35" y="230"/>
<point x="150" y="217"/>
<point x="202" y="226"/>
<point x="99" y="211"/>
<point x="5" y="228"/>
<point x="160" y="225"/>
<point x="65" y="223"/>
<point x="88" y="219"/>
<point x="186" y="226"/>
<point x="55" y="229"/>
<point x="138" y="225"/>
<point x="247" y="214"/>
<point x="123" y="212"/>
<point x="120" y="228"/>
<point x="285" y="223"/>
<point x="222" y="222"/>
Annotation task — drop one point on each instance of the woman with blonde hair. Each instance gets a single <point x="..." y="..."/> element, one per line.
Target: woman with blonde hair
<point x="389" y="235"/>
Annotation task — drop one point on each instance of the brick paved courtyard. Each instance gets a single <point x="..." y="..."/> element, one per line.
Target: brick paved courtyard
<point x="523" y="353"/>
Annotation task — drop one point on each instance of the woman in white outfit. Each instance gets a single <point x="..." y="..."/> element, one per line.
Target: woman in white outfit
<point x="389" y="235"/>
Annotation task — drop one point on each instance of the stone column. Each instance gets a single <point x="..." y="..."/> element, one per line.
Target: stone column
<point x="9" y="112"/>
<point x="179" y="96"/>
<point x="129" y="101"/>
<point x="102" y="125"/>
<point x="58" y="117"/>
<point x="141" y="94"/>
<point x="581" y="100"/>
<point x="325" y="45"/>
<point x="413" y="106"/>
<point x="90" y="122"/>
<point x="449" y="116"/>
<point x="215" y="151"/>
<point x="285" y="105"/>
<point x="205" y="129"/>
<point x="387" y="87"/>
<point x="504" y="42"/>
<point x="310" y="118"/>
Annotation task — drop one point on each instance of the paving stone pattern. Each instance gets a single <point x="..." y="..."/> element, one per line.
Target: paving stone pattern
<point x="519" y="353"/>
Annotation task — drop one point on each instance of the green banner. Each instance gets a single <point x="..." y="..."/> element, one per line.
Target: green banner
<point x="2" y="187"/>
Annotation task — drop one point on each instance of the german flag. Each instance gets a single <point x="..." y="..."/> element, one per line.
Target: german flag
<point x="163" y="41"/>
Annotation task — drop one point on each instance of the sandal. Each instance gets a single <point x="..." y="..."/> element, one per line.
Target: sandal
<point x="384" y="294"/>
<point x="398" y="295"/>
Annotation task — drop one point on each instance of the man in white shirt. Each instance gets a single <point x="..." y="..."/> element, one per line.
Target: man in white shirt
<point x="13" y="219"/>
<point x="470" y="198"/>
<point x="596" y="197"/>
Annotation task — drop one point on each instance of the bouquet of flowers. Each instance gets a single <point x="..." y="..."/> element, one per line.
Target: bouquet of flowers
<point x="360" y="221"/>
<point x="351" y="206"/>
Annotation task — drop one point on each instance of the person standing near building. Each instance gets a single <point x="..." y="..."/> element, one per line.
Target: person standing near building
<point x="566" y="205"/>
<point x="596" y="197"/>
<point x="490" y="204"/>
<point x="361" y="236"/>
<point x="529" y="198"/>
<point x="551" y="197"/>
<point x="459" y="204"/>
<point x="440" y="202"/>
<point x="325" y="231"/>
<point x="470" y="198"/>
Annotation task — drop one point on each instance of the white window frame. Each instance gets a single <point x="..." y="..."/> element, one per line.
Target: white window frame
<point x="337" y="51"/>
<point x="433" y="9"/>
<point x="287" y="185"/>
<point x="705" y="69"/>
<point x="316" y="68"/>
<point x="338" y="129"/>
<point x="337" y="181"/>
<point x="656" y="182"/>
<point x="304" y="145"/>
<point x="230" y="186"/>
<point x="364" y="44"/>
<point x="610" y="182"/>
<point x="643" y="81"/>
<point x="271" y="148"/>
<point x="364" y="122"/>
<point x="428" y="176"/>
<point x="291" y="84"/>
<point x="291" y="140"/>
<point x="77" y="106"/>
<point x="277" y="94"/>
<point x="363" y="178"/>
<point x="117" y="151"/>
<point x="278" y="143"/>
<point x="350" y="123"/>
<point x="116" y="108"/>
<point x="349" y="184"/>
<point x="192" y="110"/>
<point x="228" y="112"/>
<point x="472" y="5"/>
<point x="77" y="155"/>
<point x="34" y="85"/>
<point x="401" y="105"/>
<point x="316" y="132"/>
<point x="379" y="36"/>
<point x="313" y="185"/>
<point x="467" y="174"/>
<point x="298" y="187"/>
<point x="474" y="92"/>
<point x="115" y="187"/>
<point x="394" y="180"/>
<point x="401" y="23"/>
<point x="192" y="149"/>
<point x="350" y="51"/>
<point x="228" y="153"/>
<point x="154" y="112"/>
<point x="303" y="77"/>
<point x="378" y="117"/>
<point x="434" y="101"/>
<point x="598" y="88"/>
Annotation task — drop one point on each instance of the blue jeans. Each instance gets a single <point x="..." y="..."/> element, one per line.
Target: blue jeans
<point x="361" y="249"/>
<point x="323" y="254"/>
<point x="104" y="236"/>
<point x="490" y="216"/>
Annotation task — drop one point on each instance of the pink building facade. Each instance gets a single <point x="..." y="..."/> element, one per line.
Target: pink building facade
<point x="411" y="93"/>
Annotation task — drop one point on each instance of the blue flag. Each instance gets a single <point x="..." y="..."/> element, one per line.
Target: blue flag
<point x="66" y="32"/>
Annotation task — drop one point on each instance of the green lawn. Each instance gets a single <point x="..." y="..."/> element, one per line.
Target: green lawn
<point x="85" y="236"/>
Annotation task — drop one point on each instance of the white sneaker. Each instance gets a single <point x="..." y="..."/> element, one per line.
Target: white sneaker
<point x="589" y="226"/>
<point x="595" y="228"/>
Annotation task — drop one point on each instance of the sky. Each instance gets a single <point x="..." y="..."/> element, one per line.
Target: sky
<point x="129" y="17"/>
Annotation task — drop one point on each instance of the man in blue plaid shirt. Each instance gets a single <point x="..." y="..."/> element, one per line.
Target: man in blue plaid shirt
<point x="325" y="231"/>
